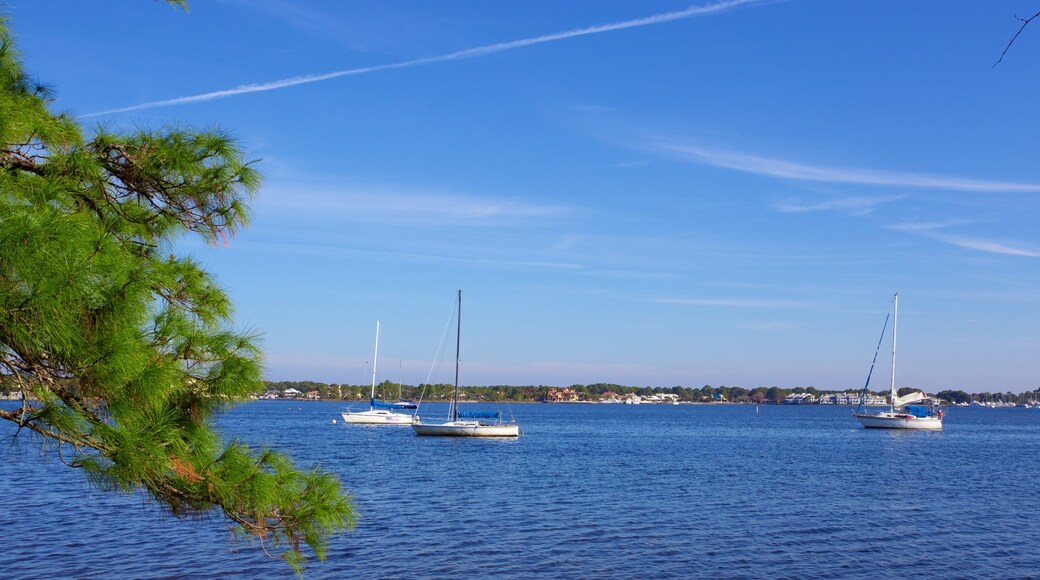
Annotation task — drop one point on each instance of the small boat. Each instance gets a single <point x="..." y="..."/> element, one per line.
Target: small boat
<point x="402" y="403"/>
<point x="901" y="414"/>
<point x="466" y="424"/>
<point x="378" y="413"/>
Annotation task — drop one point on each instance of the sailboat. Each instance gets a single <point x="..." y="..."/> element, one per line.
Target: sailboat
<point x="378" y="413"/>
<point x="466" y="424"/>
<point x="901" y="413"/>
<point x="402" y="403"/>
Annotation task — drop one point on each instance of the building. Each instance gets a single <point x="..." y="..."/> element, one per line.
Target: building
<point x="564" y="395"/>
<point x="799" y="399"/>
<point x="610" y="397"/>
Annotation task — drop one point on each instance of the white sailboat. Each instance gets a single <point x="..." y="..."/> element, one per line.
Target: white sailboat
<point x="463" y="424"/>
<point x="378" y="413"/>
<point x="901" y="413"/>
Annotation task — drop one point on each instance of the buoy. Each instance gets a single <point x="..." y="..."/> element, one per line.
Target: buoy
<point x="333" y="421"/>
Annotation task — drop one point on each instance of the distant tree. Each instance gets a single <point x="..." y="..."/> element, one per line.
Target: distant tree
<point x="706" y="393"/>
<point x="776" y="394"/>
<point x="121" y="351"/>
<point x="738" y="394"/>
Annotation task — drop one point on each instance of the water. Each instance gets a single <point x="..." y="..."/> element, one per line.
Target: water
<point x="588" y="491"/>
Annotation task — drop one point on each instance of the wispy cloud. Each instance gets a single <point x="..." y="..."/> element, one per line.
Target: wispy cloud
<point x="931" y="230"/>
<point x="382" y="205"/>
<point x="995" y="247"/>
<point x="760" y="165"/>
<point x="767" y="325"/>
<point x="479" y="51"/>
<point x="926" y="226"/>
<point x="849" y="205"/>
<point x="631" y="275"/>
<point x="634" y="164"/>
<point x="734" y="302"/>
<point x="332" y="251"/>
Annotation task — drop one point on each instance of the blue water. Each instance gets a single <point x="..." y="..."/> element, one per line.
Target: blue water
<point x="588" y="491"/>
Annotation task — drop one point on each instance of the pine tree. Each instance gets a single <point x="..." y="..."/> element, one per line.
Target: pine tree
<point x="123" y="352"/>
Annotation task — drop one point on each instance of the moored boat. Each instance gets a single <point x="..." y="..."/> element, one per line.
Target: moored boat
<point x="466" y="424"/>
<point x="378" y="413"/>
<point x="902" y="413"/>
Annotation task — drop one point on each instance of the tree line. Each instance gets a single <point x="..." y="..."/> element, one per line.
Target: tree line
<point x="388" y="390"/>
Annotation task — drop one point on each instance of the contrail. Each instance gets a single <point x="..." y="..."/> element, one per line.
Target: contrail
<point x="460" y="55"/>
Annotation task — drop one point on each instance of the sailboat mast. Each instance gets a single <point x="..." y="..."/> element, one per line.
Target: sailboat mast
<point x="375" y="358"/>
<point x="458" y="343"/>
<point x="895" y="327"/>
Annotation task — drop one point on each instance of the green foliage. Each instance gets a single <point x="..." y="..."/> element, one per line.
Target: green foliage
<point x="123" y="352"/>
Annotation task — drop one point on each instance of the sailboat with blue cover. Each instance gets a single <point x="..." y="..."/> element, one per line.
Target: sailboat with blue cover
<point x="902" y="413"/>
<point x="463" y="423"/>
<point x="378" y="413"/>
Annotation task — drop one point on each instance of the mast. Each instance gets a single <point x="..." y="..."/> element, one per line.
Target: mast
<point x="458" y="342"/>
<point x="375" y="357"/>
<point x="895" y="326"/>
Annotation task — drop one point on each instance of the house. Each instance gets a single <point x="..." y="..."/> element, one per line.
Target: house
<point x="313" y="395"/>
<point x="564" y="395"/>
<point x="291" y="393"/>
<point x="609" y="397"/>
<point x="852" y="399"/>
<point x="799" y="399"/>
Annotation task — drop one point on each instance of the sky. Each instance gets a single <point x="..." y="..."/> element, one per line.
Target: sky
<point x="650" y="193"/>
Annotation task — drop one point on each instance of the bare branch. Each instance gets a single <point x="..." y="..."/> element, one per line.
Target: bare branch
<point x="1025" y="22"/>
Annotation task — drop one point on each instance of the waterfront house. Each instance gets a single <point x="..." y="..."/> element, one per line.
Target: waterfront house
<point x="799" y="399"/>
<point x="564" y="395"/>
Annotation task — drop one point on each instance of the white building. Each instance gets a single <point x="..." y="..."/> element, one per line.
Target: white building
<point x="799" y="399"/>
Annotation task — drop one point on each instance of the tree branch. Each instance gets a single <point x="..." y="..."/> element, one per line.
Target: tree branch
<point x="1025" y="22"/>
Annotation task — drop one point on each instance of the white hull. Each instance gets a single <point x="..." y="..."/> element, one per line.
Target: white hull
<point x="888" y="420"/>
<point x="466" y="429"/>
<point x="377" y="417"/>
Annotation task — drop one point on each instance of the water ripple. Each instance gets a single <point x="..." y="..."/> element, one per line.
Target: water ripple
<point x="589" y="491"/>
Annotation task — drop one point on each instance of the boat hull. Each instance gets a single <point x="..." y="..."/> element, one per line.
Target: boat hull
<point x="899" y="421"/>
<point x="466" y="429"/>
<point x="376" y="417"/>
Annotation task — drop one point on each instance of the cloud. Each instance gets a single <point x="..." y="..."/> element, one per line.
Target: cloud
<point x="332" y="251"/>
<point x="926" y="226"/>
<point x="734" y="302"/>
<point x="767" y="325"/>
<point x="759" y="165"/>
<point x="385" y="206"/>
<point x="850" y="205"/>
<point x="634" y="164"/>
<point x="991" y="246"/>
<point x="930" y="230"/>
<point x="479" y="51"/>
<point x="631" y="275"/>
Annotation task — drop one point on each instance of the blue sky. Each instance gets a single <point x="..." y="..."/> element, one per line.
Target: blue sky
<point x="646" y="193"/>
